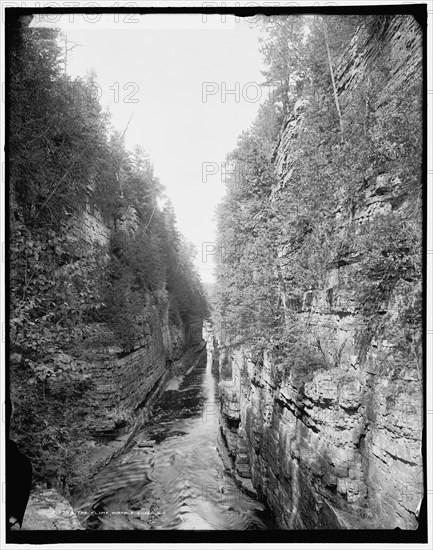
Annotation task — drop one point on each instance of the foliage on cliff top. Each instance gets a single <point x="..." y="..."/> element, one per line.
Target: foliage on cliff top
<point x="279" y="240"/>
<point x="65" y="157"/>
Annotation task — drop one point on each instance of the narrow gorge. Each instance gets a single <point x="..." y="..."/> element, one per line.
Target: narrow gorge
<point x="285" y="393"/>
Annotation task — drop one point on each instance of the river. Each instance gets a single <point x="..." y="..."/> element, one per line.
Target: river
<point x="180" y="482"/>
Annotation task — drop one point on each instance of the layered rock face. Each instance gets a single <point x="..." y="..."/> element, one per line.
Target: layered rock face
<point x="126" y="385"/>
<point x="341" y="447"/>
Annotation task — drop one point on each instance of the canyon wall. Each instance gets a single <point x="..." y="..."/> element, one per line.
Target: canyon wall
<point x="103" y="292"/>
<point x="340" y="447"/>
<point x="125" y="384"/>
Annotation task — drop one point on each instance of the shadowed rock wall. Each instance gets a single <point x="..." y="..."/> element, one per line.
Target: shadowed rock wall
<point x="342" y="448"/>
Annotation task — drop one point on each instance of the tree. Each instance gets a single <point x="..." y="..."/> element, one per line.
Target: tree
<point x="278" y="242"/>
<point x="68" y="296"/>
<point x="57" y="132"/>
<point x="283" y="51"/>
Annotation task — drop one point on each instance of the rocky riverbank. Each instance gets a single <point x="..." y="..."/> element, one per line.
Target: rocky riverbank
<point x="48" y="510"/>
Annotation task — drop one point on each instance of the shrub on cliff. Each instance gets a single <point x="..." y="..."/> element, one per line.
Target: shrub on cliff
<point x="65" y="158"/>
<point x="54" y="295"/>
<point x="57" y="131"/>
<point x="51" y="410"/>
<point x="145" y="262"/>
<point x="285" y="236"/>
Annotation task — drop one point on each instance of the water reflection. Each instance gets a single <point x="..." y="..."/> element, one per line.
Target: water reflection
<point x="180" y="482"/>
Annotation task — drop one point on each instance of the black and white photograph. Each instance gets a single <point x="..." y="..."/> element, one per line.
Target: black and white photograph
<point x="214" y="280"/>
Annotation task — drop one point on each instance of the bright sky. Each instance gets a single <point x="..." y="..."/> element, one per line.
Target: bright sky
<point x="174" y="73"/>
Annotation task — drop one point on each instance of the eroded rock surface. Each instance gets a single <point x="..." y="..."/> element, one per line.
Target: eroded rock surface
<point x="47" y="510"/>
<point x="338" y="447"/>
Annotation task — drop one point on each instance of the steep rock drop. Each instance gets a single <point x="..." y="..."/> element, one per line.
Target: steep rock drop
<point x="337" y="446"/>
<point x="172" y="476"/>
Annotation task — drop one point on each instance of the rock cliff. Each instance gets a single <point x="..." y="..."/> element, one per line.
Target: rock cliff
<point x="340" y="448"/>
<point x="125" y="384"/>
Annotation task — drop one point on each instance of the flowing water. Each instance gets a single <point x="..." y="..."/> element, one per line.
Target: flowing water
<point x="180" y="482"/>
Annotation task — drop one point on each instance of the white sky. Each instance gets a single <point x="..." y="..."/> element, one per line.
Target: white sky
<point x="167" y="59"/>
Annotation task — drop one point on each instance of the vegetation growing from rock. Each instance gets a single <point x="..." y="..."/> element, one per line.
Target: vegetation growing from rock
<point x="65" y="158"/>
<point x="280" y="239"/>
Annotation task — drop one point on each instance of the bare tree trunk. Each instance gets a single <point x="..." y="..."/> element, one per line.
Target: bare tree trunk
<point x="367" y="107"/>
<point x="334" y="87"/>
